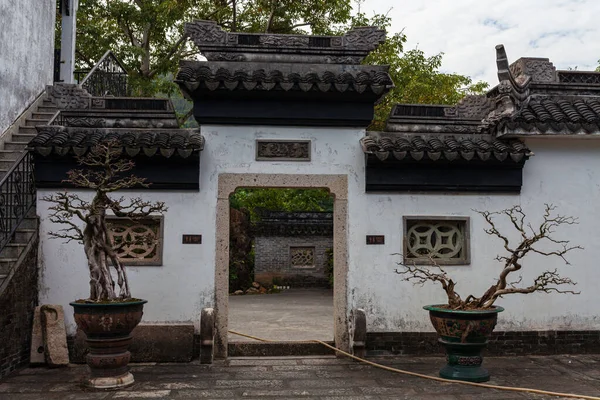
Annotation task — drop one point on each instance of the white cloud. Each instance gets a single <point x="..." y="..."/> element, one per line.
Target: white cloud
<point x="565" y="31"/>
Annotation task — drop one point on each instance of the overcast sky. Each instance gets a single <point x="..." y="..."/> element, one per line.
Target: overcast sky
<point x="565" y="31"/>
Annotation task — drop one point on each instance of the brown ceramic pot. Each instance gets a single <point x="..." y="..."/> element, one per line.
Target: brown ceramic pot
<point x="108" y="330"/>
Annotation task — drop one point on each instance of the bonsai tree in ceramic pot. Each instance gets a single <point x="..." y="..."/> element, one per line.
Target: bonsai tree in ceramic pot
<point x="464" y="324"/>
<point x="109" y="315"/>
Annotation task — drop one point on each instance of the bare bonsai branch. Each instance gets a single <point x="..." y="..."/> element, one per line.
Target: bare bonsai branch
<point x="419" y="275"/>
<point x="103" y="172"/>
<point x="530" y="238"/>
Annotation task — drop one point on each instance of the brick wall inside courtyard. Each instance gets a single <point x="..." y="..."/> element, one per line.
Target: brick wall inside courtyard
<point x="17" y="303"/>
<point x="273" y="260"/>
<point x="291" y="248"/>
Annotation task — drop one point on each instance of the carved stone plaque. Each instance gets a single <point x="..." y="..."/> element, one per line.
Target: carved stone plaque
<point x="282" y="150"/>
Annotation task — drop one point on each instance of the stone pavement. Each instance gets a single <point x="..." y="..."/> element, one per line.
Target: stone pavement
<point x="312" y="378"/>
<point x="292" y="315"/>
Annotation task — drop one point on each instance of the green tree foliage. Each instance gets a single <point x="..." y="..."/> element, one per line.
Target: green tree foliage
<point x="416" y="77"/>
<point x="276" y="199"/>
<point x="148" y="35"/>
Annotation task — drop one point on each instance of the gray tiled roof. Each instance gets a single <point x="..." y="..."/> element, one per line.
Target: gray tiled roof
<point x="266" y="77"/>
<point x="448" y="148"/>
<point x="166" y="142"/>
<point x="562" y="115"/>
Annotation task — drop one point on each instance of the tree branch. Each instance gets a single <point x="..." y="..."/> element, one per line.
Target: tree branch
<point x="271" y="16"/>
<point x="529" y="237"/>
<point x="182" y="120"/>
<point x="174" y="49"/>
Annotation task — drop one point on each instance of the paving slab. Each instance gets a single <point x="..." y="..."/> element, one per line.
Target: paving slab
<point x="292" y="315"/>
<point x="312" y="378"/>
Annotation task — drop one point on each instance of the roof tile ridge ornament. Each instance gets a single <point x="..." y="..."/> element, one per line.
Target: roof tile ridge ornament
<point x="510" y="96"/>
<point x="217" y="44"/>
<point x="472" y="106"/>
<point x="68" y="96"/>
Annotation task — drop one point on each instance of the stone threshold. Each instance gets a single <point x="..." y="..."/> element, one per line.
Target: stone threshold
<point x="277" y="349"/>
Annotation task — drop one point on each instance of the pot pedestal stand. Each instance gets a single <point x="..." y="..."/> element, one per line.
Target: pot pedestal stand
<point x="464" y="362"/>
<point x="108" y="328"/>
<point x="464" y="334"/>
<point x="108" y="359"/>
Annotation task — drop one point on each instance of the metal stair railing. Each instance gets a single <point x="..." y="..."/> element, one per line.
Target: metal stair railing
<point x="17" y="196"/>
<point x="107" y="78"/>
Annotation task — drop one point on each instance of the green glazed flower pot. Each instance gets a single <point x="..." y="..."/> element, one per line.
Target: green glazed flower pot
<point x="464" y="334"/>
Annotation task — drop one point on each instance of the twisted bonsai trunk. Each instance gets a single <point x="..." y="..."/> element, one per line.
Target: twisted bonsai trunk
<point x="104" y="174"/>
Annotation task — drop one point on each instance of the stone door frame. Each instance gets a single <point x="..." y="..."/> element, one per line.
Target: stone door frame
<point x="338" y="187"/>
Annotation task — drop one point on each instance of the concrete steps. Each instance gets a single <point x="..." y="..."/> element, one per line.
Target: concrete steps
<point x="11" y="150"/>
<point x="34" y="122"/>
<point x="27" y="130"/>
<point x="16" y="145"/>
<point x="277" y="349"/>
<point x="24" y="137"/>
<point x="13" y="251"/>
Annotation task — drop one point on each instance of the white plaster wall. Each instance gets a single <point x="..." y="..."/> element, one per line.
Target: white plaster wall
<point x="184" y="285"/>
<point x="26" y="54"/>
<point x="563" y="172"/>
<point x="566" y="173"/>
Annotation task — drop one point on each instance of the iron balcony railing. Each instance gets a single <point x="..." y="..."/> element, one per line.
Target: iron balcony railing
<point x="17" y="196"/>
<point x="107" y="78"/>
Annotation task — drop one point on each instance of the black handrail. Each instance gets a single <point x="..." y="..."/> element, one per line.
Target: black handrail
<point x="17" y="196"/>
<point x="107" y="78"/>
<point x="57" y="119"/>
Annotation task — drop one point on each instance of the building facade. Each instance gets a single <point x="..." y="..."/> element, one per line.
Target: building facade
<point x="401" y="194"/>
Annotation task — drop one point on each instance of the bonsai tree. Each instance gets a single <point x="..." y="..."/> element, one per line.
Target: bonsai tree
<point x="530" y="241"/>
<point x="104" y="172"/>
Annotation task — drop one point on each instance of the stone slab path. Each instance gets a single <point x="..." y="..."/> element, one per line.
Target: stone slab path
<point x="312" y="378"/>
<point x="292" y="315"/>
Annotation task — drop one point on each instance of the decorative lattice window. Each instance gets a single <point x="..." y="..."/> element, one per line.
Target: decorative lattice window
<point x="138" y="242"/>
<point x="443" y="239"/>
<point x="302" y="257"/>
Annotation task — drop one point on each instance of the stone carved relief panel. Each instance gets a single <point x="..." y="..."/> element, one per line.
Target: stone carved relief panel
<point x="471" y="106"/>
<point x="367" y="37"/>
<point x="586" y="78"/>
<point x="98" y="102"/>
<point x="284" y="40"/>
<point x="443" y="239"/>
<point x="302" y="257"/>
<point x="541" y="70"/>
<point x="205" y="32"/>
<point x="68" y="96"/>
<point x="283" y="150"/>
<point x="139" y="242"/>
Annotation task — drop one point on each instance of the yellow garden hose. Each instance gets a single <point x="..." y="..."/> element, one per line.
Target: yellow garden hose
<point x="435" y="378"/>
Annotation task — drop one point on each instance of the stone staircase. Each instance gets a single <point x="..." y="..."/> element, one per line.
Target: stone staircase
<point x="11" y="150"/>
<point x="13" y="251"/>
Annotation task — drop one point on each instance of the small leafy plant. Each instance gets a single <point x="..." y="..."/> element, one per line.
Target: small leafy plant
<point x="530" y="239"/>
<point x="104" y="172"/>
